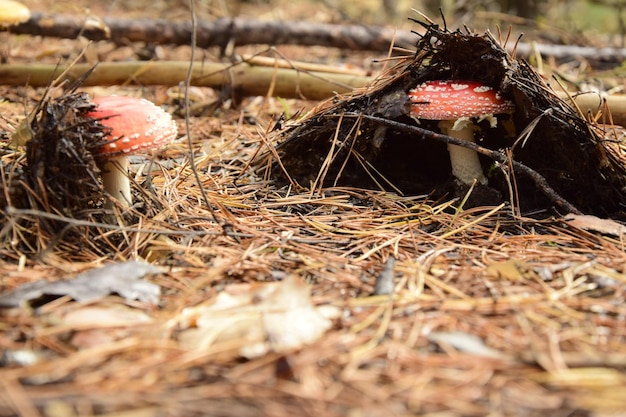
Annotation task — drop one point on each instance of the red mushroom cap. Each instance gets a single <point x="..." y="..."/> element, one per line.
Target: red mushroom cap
<point x="452" y="99"/>
<point x="135" y="124"/>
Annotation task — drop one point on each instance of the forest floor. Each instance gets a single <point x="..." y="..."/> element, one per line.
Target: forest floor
<point x="267" y="299"/>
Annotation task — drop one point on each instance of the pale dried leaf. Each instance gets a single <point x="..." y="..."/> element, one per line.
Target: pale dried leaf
<point x="465" y="342"/>
<point x="596" y="224"/>
<point x="512" y="269"/>
<point x="276" y="316"/>
<point x="105" y="316"/>
<point x="121" y="278"/>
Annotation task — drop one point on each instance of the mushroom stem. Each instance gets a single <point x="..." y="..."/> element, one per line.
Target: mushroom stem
<point x="465" y="163"/>
<point x="115" y="180"/>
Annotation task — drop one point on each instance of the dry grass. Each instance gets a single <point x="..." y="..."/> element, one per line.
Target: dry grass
<point x="546" y="300"/>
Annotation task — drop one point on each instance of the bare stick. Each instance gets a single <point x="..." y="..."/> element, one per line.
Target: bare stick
<point x="592" y="103"/>
<point x="243" y="78"/>
<point x="250" y="80"/>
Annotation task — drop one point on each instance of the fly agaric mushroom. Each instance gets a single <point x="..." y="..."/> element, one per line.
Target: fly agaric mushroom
<point x="454" y="103"/>
<point x="12" y="13"/>
<point x="135" y="125"/>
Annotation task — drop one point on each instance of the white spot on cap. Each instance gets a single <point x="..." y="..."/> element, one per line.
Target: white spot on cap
<point x="482" y="89"/>
<point x="459" y="86"/>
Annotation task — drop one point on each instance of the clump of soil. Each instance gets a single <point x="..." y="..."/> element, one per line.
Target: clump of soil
<point x="58" y="181"/>
<point x="61" y="167"/>
<point x="338" y="144"/>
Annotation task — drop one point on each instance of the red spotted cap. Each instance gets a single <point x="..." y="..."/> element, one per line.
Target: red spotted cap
<point x="453" y="99"/>
<point x="135" y="124"/>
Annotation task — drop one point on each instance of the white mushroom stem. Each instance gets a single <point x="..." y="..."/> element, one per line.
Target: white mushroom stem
<point x="465" y="163"/>
<point x="115" y="180"/>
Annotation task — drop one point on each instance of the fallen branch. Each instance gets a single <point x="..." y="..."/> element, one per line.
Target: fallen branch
<point x="243" y="78"/>
<point x="251" y="78"/>
<point x="219" y="32"/>
<point x="592" y="103"/>
<point x="239" y="31"/>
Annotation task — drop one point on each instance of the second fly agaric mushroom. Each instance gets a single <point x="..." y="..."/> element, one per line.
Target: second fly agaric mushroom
<point x="135" y="125"/>
<point x="454" y="103"/>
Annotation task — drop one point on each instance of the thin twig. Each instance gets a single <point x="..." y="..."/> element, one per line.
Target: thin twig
<point x="192" y="163"/>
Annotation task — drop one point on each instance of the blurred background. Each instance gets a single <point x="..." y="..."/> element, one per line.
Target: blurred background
<point x="584" y="22"/>
<point x="604" y="15"/>
<point x="576" y="17"/>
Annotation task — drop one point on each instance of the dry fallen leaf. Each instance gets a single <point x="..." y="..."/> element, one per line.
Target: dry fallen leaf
<point x="257" y="318"/>
<point x="511" y="269"/>
<point x="465" y="342"/>
<point x="95" y="325"/>
<point x="121" y="278"/>
<point x="596" y="224"/>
